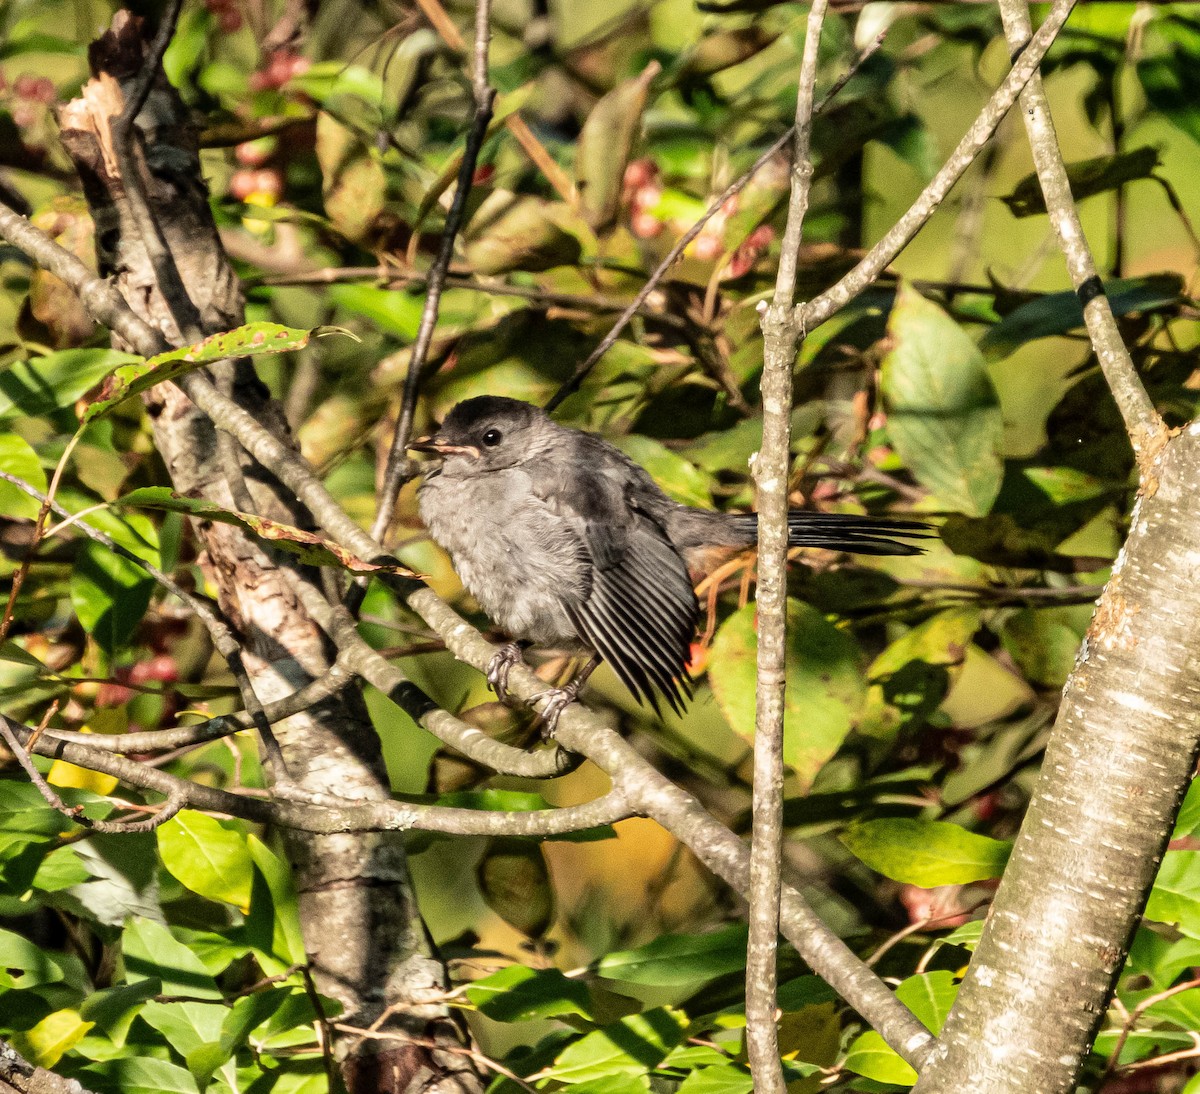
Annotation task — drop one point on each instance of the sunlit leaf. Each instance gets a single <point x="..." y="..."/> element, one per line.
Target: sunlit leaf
<point x="926" y="853"/>
<point x="943" y="416"/>
<point x="825" y="686"/>
<point x="631" y="1046"/>
<point x="57" y="1033"/>
<point x="250" y="340"/>
<point x="520" y="994"/>
<point x="19" y="459"/>
<point x="209" y="857"/>
<point x="151" y="951"/>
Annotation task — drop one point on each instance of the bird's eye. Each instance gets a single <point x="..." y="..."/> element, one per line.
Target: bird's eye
<point x="492" y="438"/>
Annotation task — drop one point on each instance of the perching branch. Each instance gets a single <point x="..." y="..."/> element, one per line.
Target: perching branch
<point x="399" y="466"/>
<point x="1145" y="427"/>
<point x="772" y="467"/>
<point x="327" y="814"/>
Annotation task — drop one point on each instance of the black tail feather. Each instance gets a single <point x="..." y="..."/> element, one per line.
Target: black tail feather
<point x="858" y="535"/>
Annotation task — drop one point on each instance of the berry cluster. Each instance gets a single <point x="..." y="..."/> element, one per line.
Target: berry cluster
<point x="282" y="66"/>
<point x="30" y="96"/>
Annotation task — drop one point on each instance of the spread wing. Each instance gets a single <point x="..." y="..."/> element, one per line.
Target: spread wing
<point x="638" y="610"/>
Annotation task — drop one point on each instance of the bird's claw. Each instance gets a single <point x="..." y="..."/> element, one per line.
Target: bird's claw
<point x="500" y="666"/>
<point x="556" y="701"/>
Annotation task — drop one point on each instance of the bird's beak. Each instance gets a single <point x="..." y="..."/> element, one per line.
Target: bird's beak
<point x="438" y="447"/>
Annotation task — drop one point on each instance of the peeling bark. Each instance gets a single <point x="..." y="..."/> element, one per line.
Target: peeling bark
<point x="363" y="931"/>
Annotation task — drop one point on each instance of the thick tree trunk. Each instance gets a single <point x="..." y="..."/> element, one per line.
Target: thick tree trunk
<point x="1118" y="763"/>
<point x="363" y="931"/>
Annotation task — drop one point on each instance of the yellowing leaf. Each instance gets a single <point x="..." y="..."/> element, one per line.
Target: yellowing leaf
<point x="65" y="774"/>
<point x="44" y="1045"/>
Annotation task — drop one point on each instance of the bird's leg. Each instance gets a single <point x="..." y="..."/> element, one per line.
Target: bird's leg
<point x="558" y="699"/>
<point x="501" y="665"/>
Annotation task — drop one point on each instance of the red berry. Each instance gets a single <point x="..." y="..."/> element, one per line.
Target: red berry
<point x="639" y="173"/>
<point x="646" y="225"/>
<point x="268" y="181"/>
<point x="242" y="184"/>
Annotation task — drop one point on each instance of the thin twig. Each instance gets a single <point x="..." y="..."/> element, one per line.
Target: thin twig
<point x="174" y="803"/>
<point x="781" y="337"/>
<point x="399" y="467"/>
<point x="225" y="641"/>
<point x="571" y="385"/>
<point x="1147" y="431"/>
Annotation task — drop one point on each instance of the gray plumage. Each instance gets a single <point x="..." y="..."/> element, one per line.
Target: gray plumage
<point x="566" y="542"/>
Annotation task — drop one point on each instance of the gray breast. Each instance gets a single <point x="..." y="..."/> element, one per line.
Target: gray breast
<point x="519" y="560"/>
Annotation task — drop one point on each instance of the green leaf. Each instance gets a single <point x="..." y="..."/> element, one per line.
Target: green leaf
<point x="1087" y="177"/>
<point x="926" y="853"/>
<point x="186" y="1026"/>
<point x="44" y="384"/>
<point x="247" y="1014"/>
<point x="1175" y="897"/>
<point x="944" y="418"/>
<point x="209" y="856"/>
<point x="113" y="1010"/>
<point x="57" y="1033"/>
<point x="871" y="1057"/>
<point x="678" y="959"/>
<point x="251" y="340"/>
<point x="605" y="144"/>
<point x="1061" y="312"/>
<point x="23" y="809"/>
<point x="683" y="480"/>
<point x="909" y="680"/>
<point x="19" y="459"/>
<point x="309" y="547"/>
<point x="613" y="1084"/>
<point x="1187" y="823"/>
<point x="110" y="595"/>
<point x="720" y="1079"/>
<point x="520" y="994"/>
<point x="631" y="1046"/>
<point x="274" y="892"/>
<point x="24" y="965"/>
<point x="151" y="950"/>
<point x="929" y="996"/>
<point x="825" y="686"/>
<point x="138" y="1075"/>
<point x="394" y="313"/>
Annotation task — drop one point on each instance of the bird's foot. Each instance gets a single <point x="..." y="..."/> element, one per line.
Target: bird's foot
<point x="501" y="665"/>
<point x="556" y="701"/>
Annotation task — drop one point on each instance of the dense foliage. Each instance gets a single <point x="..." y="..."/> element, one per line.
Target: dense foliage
<point x="920" y="690"/>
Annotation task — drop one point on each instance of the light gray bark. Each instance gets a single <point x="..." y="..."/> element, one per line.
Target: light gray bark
<point x="1120" y="758"/>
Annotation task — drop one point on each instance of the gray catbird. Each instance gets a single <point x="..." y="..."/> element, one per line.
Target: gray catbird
<point x="566" y="542"/>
